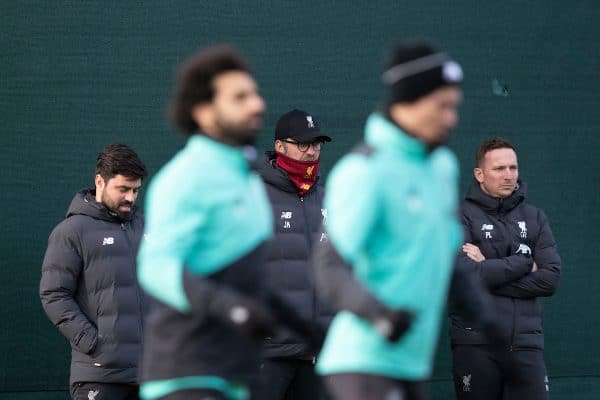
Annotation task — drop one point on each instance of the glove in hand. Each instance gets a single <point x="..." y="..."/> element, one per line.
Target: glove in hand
<point x="392" y="324"/>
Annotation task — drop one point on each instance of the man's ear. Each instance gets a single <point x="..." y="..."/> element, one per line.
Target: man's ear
<point x="100" y="186"/>
<point x="279" y="147"/>
<point x="478" y="174"/>
<point x="99" y="182"/>
<point x="203" y="115"/>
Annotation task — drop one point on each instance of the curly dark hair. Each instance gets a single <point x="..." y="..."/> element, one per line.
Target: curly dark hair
<point x="195" y="82"/>
<point x="119" y="159"/>
<point x="491" y="144"/>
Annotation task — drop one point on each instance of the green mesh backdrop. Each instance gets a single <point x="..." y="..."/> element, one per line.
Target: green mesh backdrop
<point x="75" y="76"/>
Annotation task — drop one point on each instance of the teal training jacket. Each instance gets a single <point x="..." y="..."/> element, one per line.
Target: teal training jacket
<point x="207" y="217"/>
<point x="392" y="216"/>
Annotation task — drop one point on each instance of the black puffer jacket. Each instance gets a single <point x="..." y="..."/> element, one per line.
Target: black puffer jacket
<point x="298" y="228"/>
<point x="90" y="293"/>
<point x="512" y="235"/>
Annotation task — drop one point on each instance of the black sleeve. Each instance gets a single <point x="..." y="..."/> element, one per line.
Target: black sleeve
<point x="468" y="296"/>
<point x="338" y="288"/>
<point x="544" y="281"/>
<point x="495" y="272"/>
<point x="470" y="299"/>
<point x="60" y="272"/>
<point x="210" y="298"/>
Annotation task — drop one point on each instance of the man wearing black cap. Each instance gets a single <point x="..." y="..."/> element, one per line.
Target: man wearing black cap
<point x="393" y="235"/>
<point x="291" y="173"/>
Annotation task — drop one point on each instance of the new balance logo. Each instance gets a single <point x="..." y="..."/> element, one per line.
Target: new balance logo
<point x="487" y="228"/>
<point x="523" y="249"/>
<point x="108" y="241"/>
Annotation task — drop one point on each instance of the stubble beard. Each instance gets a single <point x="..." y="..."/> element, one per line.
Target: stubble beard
<point x="238" y="134"/>
<point x="114" y="208"/>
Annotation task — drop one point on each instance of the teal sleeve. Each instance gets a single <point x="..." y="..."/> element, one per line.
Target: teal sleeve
<point x="352" y="203"/>
<point x="174" y="217"/>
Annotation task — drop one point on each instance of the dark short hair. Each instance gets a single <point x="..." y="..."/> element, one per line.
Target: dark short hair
<point x="195" y="82"/>
<point x="491" y="144"/>
<point x="119" y="159"/>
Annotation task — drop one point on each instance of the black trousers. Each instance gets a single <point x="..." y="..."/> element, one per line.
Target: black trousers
<point x="104" y="391"/>
<point x="288" y="379"/>
<point x="482" y="373"/>
<point x="373" y="387"/>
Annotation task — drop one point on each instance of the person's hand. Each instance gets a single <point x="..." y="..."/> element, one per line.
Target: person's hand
<point x="243" y="314"/>
<point x="392" y="324"/>
<point x="473" y="252"/>
<point x="534" y="268"/>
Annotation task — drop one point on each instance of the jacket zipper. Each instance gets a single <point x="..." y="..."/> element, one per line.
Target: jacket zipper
<point x="136" y="286"/>
<point x="514" y="325"/>
<point x="307" y="234"/>
<point x="514" y="303"/>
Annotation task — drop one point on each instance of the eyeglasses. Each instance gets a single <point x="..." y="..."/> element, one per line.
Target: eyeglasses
<point x="303" y="147"/>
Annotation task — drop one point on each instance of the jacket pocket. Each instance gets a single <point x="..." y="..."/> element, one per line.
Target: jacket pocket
<point x="103" y="357"/>
<point x="86" y="341"/>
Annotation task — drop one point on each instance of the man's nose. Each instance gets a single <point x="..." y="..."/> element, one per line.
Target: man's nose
<point x="258" y="104"/>
<point x="509" y="175"/>
<point x="130" y="197"/>
<point x="452" y="119"/>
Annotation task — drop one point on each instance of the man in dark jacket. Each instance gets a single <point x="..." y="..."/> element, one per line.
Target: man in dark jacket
<point x="290" y="173"/>
<point x="510" y="244"/>
<point x="88" y="286"/>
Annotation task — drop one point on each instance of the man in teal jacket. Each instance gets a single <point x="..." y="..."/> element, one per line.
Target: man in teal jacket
<point x="393" y="234"/>
<point x="208" y="219"/>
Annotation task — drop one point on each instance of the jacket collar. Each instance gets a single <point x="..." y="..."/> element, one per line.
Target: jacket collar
<point x="238" y="158"/>
<point x="380" y="132"/>
<point x="496" y="204"/>
<point x="84" y="203"/>
<point x="277" y="177"/>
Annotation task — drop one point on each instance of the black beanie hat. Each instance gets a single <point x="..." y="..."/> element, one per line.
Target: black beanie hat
<point x="417" y="69"/>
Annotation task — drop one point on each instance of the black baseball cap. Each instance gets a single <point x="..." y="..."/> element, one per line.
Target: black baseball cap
<point x="300" y="126"/>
